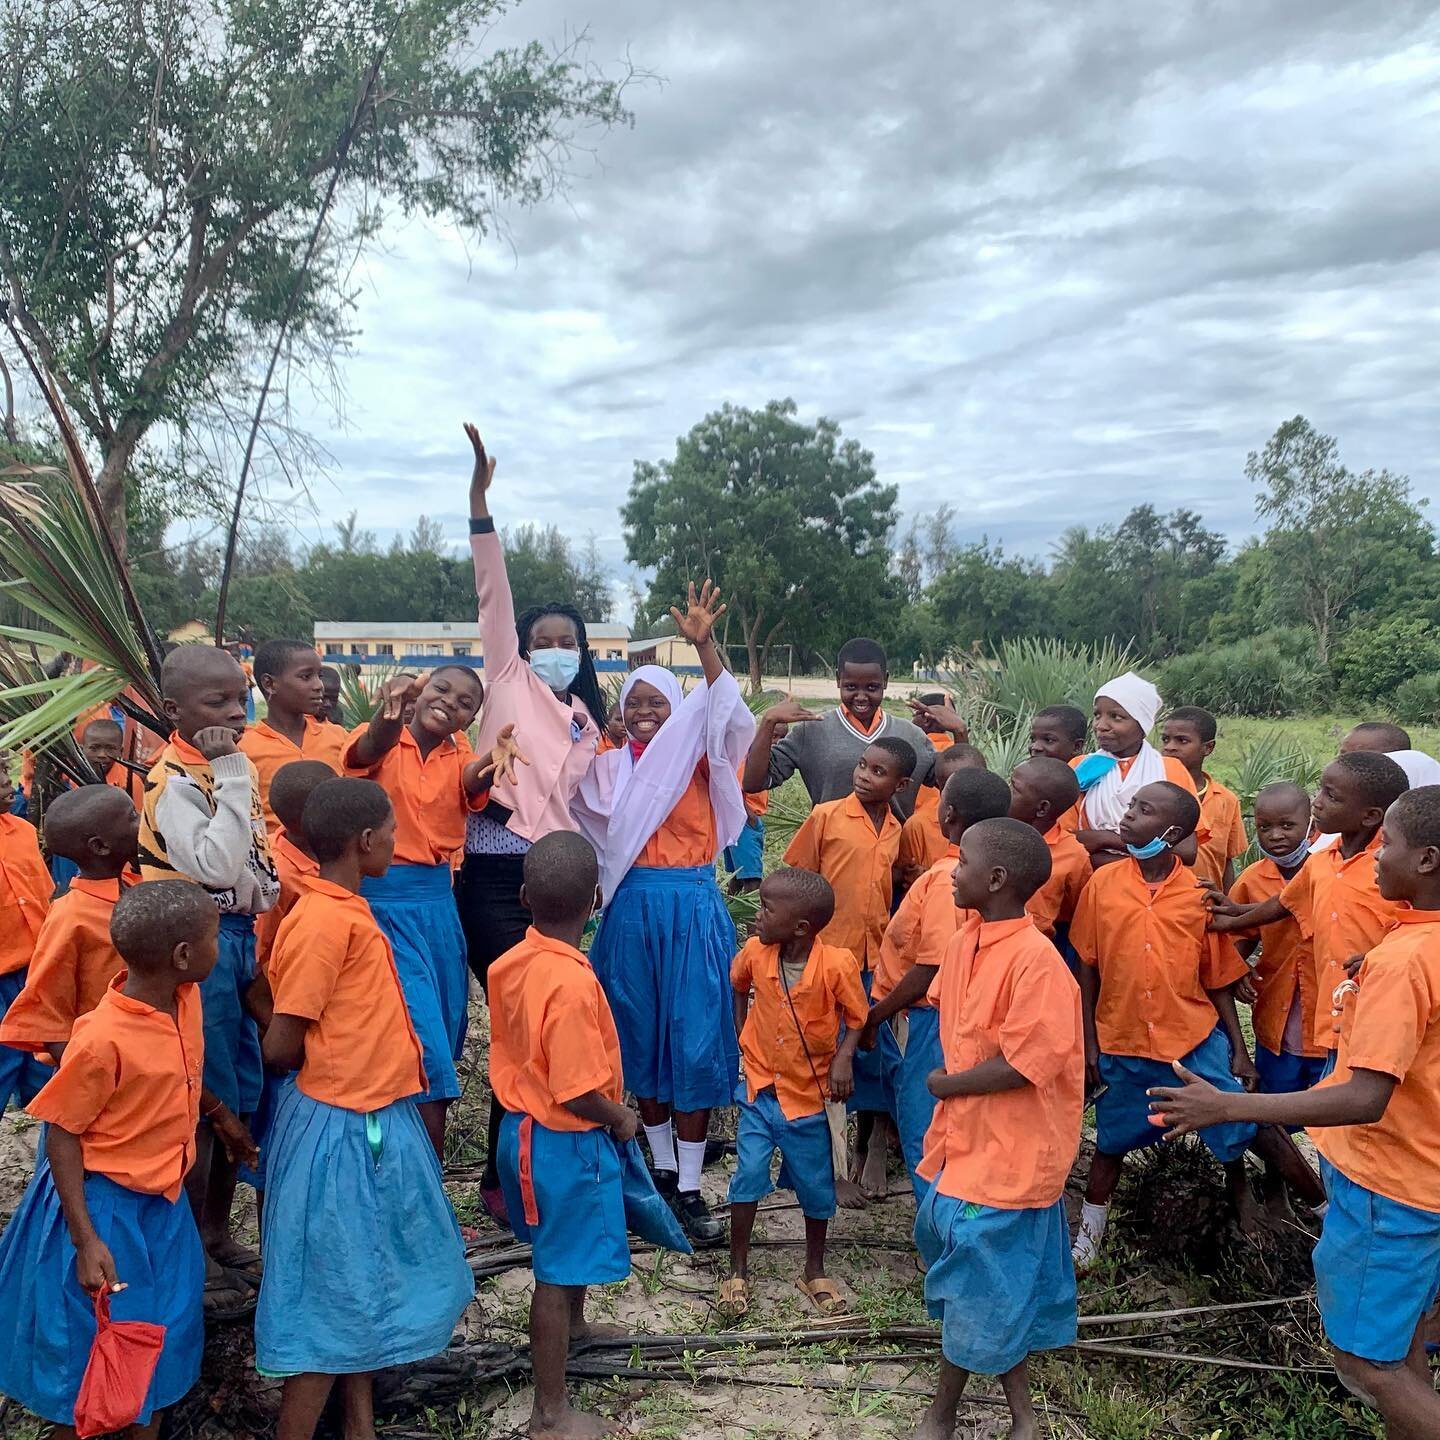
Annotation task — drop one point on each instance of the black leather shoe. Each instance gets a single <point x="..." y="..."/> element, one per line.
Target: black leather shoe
<point x="704" y="1230"/>
<point x="666" y="1182"/>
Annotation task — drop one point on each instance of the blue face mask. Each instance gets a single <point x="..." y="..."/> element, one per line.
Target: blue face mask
<point x="556" y="667"/>
<point x="1294" y="858"/>
<point x="1149" y="851"/>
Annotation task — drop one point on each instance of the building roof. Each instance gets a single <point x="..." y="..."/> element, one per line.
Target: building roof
<point x="436" y="629"/>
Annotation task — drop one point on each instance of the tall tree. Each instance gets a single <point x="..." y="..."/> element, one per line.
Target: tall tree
<point x="1337" y="540"/>
<point x="162" y="164"/>
<point x="777" y="512"/>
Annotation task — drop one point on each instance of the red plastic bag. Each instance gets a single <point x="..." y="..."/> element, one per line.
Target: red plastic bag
<point x="118" y="1374"/>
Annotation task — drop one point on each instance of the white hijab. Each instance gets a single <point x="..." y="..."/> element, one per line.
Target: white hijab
<point x="623" y="801"/>
<point x="1108" y="799"/>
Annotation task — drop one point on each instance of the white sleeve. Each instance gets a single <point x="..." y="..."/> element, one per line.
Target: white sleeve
<point x="212" y="849"/>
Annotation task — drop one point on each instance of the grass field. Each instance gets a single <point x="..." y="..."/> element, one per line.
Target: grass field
<point x="1172" y="1247"/>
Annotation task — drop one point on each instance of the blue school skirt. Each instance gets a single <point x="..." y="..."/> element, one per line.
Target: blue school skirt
<point x="364" y="1265"/>
<point x="1122" y="1110"/>
<point x="873" y="1090"/>
<point x="1001" y="1282"/>
<point x="47" y="1322"/>
<point x="21" y="1074"/>
<point x="233" y="1069"/>
<point x="914" y="1104"/>
<point x="415" y="906"/>
<point x="807" y="1160"/>
<point x="663" y="956"/>
<point x="1288" y="1074"/>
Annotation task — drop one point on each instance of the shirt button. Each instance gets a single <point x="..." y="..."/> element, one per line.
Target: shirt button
<point x="1147" y="947"/>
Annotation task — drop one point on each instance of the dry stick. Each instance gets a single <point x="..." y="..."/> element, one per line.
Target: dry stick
<point x="1138" y="1352"/>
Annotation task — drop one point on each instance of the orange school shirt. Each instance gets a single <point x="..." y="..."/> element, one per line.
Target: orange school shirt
<point x="1004" y="990"/>
<point x="922" y="842"/>
<point x="838" y="840"/>
<point x="1224" y="828"/>
<point x="74" y="963"/>
<point x="129" y="1086"/>
<point x="268" y="750"/>
<point x="294" y="869"/>
<point x="428" y="794"/>
<point x="686" y="836"/>
<point x="921" y="929"/>
<point x="552" y="1036"/>
<point x="25" y="889"/>
<point x="332" y="965"/>
<point x="1070" y="870"/>
<point x="1339" y="908"/>
<point x="771" y="1042"/>
<point x="1393" y="1025"/>
<point x="1156" y="960"/>
<point x="1286" y="968"/>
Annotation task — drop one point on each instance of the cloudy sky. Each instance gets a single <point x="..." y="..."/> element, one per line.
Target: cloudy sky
<point x="1044" y="260"/>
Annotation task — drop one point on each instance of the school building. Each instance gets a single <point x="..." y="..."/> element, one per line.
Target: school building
<point x="674" y="652"/>
<point x="426" y="644"/>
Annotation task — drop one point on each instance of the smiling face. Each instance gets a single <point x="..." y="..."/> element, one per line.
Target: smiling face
<point x="1116" y="732"/>
<point x="1028" y="801"/>
<point x="1281" y="822"/>
<point x="862" y="688"/>
<point x="449" y="702"/>
<point x="298" y="689"/>
<point x="210" y="690"/>
<point x="646" y="710"/>
<point x="1151" y="815"/>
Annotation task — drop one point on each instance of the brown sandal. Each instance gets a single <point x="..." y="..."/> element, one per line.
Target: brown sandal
<point x="734" y="1301"/>
<point x="824" y="1294"/>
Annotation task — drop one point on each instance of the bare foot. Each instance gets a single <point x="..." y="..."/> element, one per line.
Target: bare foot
<point x="849" y="1196"/>
<point x="873" y="1179"/>
<point x="1279" y="1209"/>
<point x="1026" y="1428"/>
<point x="570" y="1424"/>
<point x="1248" y="1214"/>
<point x="230" y="1253"/>
<point x="935" y="1425"/>
<point x="592" y="1330"/>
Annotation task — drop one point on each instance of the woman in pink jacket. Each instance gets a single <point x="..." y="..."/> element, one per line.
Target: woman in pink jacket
<point x="539" y="677"/>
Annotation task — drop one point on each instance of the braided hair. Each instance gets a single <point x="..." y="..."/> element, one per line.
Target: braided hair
<point x="586" y="685"/>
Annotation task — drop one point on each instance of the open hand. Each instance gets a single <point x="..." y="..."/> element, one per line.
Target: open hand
<point x="789" y="712"/>
<point x="1195" y="1106"/>
<point x="216" y="740"/>
<point x="483" y="473"/>
<point x="697" y="624"/>
<point x="95" y="1267"/>
<point x="398" y="692"/>
<point x="943" y="716"/>
<point x="505" y="753"/>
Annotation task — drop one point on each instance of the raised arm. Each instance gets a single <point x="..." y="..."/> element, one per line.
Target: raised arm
<point x="697" y="625"/>
<point x="764" y="769"/>
<point x="498" y="639"/>
<point x="383" y="733"/>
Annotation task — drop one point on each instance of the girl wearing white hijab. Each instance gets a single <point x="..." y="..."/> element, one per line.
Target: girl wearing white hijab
<point x="1125" y="713"/>
<point x="658" y="811"/>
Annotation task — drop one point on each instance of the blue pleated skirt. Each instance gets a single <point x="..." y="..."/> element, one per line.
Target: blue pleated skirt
<point x="47" y="1322"/>
<point x="663" y="955"/>
<point x="233" y="1069"/>
<point x="415" y="906"/>
<point x="21" y="1074"/>
<point x="364" y="1265"/>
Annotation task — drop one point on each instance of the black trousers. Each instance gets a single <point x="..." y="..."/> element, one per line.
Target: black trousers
<point x="487" y="893"/>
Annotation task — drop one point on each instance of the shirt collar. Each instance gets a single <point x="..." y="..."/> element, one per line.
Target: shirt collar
<point x="121" y="1001"/>
<point x="331" y="889"/>
<point x="186" y="753"/>
<point x="992" y="932"/>
<point x="1342" y="862"/>
<point x="307" y="864"/>
<point x="552" y="946"/>
<point x="1407" y="914"/>
<point x="107" y="890"/>
<point x="878" y="722"/>
<point x="857" y="811"/>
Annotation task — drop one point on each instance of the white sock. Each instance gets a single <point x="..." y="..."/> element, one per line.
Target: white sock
<point x="662" y="1144"/>
<point x="1091" y="1233"/>
<point x="692" y="1162"/>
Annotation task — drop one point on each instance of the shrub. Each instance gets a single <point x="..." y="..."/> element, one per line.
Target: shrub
<point x="1026" y="675"/>
<point x="1372" y="662"/>
<point x="1417" y="700"/>
<point x="1277" y="673"/>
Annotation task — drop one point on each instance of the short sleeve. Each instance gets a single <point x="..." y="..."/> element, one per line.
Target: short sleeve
<point x="1085" y="927"/>
<point x="572" y="1045"/>
<point x="1239" y="840"/>
<point x="1220" y="962"/>
<point x="900" y="933"/>
<point x="349" y="765"/>
<point x="803" y="851"/>
<point x="1392" y="1013"/>
<point x="1297" y="898"/>
<point x="305" y="963"/>
<point x="1040" y="1033"/>
<point x="48" y="1004"/>
<point x="88" y="1076"/>
<point x="912" y="842"/>
<point x="850" y="994"/>
<point x="742" y="969"/>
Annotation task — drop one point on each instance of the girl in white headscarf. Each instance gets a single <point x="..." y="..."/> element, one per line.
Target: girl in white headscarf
<point x="1125" y="713"/>
<point x="658" y="811"/>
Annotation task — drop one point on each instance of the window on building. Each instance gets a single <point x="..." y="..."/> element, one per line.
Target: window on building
<point x="614" y="654"/>
<point x="384" y="649"/>
<point x="459" y="649"/>
<point x="359" y="649"/>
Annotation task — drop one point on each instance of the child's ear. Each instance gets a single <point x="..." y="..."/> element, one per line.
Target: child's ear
<point x="1374" y="817"/>
<point x="1044" y="809"/>
<point x="1428" y="861"/>
<point x="172" y="710"/>
<point x="524" y="899"/>
<point x="999" y="878"/>
<point x="364" y="842"/>
<point x="1208" y="748"/>
<point x="180" y="956"/>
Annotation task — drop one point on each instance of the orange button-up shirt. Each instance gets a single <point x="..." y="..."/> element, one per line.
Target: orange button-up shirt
<point x="294" y="869"/>
<point x="1287" y="964"/>
<point x="1156" y="960"/>
<point x="1393" y="1025"/>
<point x="428" y="794"/>
<point x="922" y="842"/>
<point x="1339" y="908"/>
<point x="838" y="840"/>
<point x="552" y="1036"/>
<point x="332" y="965"/>
<point x="1070" y="870"/>
<point x="774" y="1041"/>
<point x="74" y="963"/>
<point x="921" y="929"/>
<point x="129" y="1086"/>
<point x="25" y="889"/>
<point x="686" y="836"/>
<point x="1004" y="990"/>
<point x="1224" y="825"/>
<point x="268" y="749"/>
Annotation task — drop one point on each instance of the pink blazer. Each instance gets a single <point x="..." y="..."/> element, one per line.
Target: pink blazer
<point x="515" y="694"/>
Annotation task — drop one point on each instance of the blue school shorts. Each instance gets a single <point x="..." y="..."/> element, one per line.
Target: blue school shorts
<point x="21" y="1074"/>
<point x="1122" y="1111"/>
<point x="914" y="1104"/>
<point x="874" y="1093"/>
<point x="1001" y="1282"/>
<point x="577" y="1235"/>
<point x="1377" y="1270"/>
<point x="746" y="857"/>
<point x="804" y="1146"/>
<point x="233" y="1070"/>
<point x="1288" y="1074"/>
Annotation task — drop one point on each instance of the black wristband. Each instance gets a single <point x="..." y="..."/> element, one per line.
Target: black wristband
<point x="482" y="524"/>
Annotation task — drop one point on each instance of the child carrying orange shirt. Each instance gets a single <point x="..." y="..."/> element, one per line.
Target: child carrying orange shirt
<point x="97" y="829"/>
<point x="1376" y="1123"/>
<point x="288" y="674"/>
<point x="921" y="841"/>
<point x="364" y="1265"/>
<point x="798" y="1041"/>
<point x="122" y="1111"/>
<point x="1188" y="736"/>
<point x="992" y="1230"/>
<point x="25" y="887"/>
<point x="914" y="943"/>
